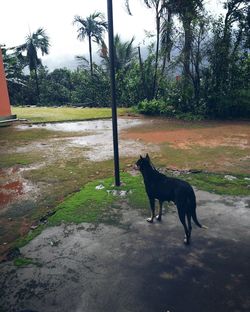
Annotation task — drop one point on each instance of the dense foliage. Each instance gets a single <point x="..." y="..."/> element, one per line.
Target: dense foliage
<point x="196" y="65"/>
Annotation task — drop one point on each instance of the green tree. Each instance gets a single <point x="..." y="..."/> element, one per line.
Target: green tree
<point x="124" y="57"/>
<point x="13" y="66"/>
<point x="187" y="11"/>
<point x="15" y="77"/>
<point x="228" y="55"/>
<point x="37" y="41"/>
<point x="166" y="34"/>
<point x="93" y="28"/>
<point x="55" y="86"/>
<point x="157" y="6"/>
<point x="125" y="53"/>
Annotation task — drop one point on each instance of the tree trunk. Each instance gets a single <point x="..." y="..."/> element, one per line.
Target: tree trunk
<point x="90" y="56"/>
<point x="37" y="85"/>
<point x="157" y="51"/>
<point x="167" y="49"/>
<point x="145" y="91"/>
<point x="187" y="48"/>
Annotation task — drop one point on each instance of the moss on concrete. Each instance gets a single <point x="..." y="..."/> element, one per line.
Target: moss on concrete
<point x="23" y="262"/>
<point x="99" y="200"/>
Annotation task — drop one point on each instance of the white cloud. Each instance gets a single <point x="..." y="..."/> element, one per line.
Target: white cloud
<point x="56" y="16"/>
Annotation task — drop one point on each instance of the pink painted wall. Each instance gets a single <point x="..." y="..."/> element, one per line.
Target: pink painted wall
<point x="5" y="109"/>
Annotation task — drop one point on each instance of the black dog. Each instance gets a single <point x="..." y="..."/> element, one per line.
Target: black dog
<point x="158" y="186"/>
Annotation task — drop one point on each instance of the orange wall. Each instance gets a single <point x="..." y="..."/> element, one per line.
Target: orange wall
<point x="4" y="95"/>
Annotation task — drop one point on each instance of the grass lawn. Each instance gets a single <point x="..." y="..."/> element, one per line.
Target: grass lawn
<point x="52" y="114"/>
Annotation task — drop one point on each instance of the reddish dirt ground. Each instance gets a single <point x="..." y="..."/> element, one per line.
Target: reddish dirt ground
<point x="233" y="134"/>
<point x="9" y="191"/>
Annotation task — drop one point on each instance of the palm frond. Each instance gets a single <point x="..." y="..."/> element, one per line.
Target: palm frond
<point x="128" y="7"/>
<point x="38" y="40"/>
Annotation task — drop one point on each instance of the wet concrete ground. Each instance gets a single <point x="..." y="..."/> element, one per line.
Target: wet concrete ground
<point x="138" y="267"/>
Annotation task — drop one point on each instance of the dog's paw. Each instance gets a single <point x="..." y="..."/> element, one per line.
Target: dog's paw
<point x="150" y="220"/>
<point x="158" y="218"/>
<point x="187" y="240"/>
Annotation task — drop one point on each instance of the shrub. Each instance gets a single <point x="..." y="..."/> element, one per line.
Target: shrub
<point x="155" y="107"/>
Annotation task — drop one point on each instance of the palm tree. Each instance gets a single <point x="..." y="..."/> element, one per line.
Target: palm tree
<point x="93" y="28"/>
<point x="157" y="5"/>
<point x="187" y="11"/>
<point x="166" y="34"/>
<point x="124" y="53"/>
<point x="34" y="42"/>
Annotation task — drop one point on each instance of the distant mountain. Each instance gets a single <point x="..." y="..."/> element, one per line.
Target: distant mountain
<point x="62" y="61"/>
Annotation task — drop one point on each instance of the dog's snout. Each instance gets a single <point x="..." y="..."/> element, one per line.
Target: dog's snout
<point x="136" y="167"/>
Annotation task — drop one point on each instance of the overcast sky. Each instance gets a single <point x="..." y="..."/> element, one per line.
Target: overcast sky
<point x="18" y="18"/>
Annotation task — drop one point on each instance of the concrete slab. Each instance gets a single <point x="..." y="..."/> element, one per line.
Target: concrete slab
<point x="138" y="267"/>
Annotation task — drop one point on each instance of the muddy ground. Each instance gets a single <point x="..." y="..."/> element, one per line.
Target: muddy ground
<point x="184" y="136"/>
<point x="137" y="267"/>
<point x="60" y="165"/>
<point x="133" y="266"/>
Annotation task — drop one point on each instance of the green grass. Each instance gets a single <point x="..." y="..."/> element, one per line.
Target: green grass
<point x="24" y="159"/>
<point x="92" y="205"/>
<point x="26" y="136"/>
<point x="51" y="114"/>
<point x="87" y="205"/>
<point x="217" y="183"/>
<point x="23" y="262"/>
<point x="22" y="241"/>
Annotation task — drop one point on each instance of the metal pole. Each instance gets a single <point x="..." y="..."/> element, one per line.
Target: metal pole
<point x="113" y="92"/>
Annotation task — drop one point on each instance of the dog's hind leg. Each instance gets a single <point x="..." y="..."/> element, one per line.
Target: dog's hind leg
<point x="182" y="218"/>
<point x="189" y="224"/>
<point x="152" y="207"/>
<point x="158" y="217"/>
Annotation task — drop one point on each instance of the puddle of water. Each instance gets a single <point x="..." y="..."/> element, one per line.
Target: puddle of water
<point x="83" y="126"/>
<point x="99" y="143"/>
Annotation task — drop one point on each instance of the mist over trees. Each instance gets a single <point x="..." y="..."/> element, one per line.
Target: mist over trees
<point x="196" y="65"/>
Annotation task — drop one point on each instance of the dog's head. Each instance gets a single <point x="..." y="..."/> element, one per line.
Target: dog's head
<point x="142" y="162"/>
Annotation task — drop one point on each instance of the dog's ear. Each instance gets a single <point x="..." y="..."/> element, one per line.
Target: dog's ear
<point x="147" y="157"/>
<point x="141" y="157"/>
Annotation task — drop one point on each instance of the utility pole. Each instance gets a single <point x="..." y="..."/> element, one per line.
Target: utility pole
<point x="113" y="91"/>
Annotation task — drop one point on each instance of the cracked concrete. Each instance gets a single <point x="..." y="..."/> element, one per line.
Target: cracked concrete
<point x="138" y="267"/>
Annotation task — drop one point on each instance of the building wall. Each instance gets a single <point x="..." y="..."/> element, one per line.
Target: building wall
<point x="5" y="110"/>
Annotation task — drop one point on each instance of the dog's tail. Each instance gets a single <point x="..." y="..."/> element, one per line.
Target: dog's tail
<point x="195" y="219"/>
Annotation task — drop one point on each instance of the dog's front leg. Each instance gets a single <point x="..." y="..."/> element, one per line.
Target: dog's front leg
<point x="152" y="207"/>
